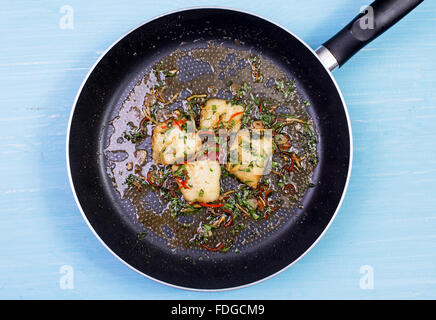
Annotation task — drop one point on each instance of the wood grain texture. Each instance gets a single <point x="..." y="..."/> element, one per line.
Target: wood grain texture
<point x="388" y="218"/>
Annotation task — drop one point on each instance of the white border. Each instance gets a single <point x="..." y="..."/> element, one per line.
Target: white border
<point x="169" y="284"/>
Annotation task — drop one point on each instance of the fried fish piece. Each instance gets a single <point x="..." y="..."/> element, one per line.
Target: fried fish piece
<point x="217" y="113"/>
<point x="174" y="141"/>
<point x="250" y="155"/>
<point x="199" y="180"/>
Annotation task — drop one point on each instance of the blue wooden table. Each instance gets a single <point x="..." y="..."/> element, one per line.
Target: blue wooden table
<point x="382" y="245"/>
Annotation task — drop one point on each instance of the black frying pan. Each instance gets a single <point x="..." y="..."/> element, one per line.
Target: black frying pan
<point x="119" y="68"/>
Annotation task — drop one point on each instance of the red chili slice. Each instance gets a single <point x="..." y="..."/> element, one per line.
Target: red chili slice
<point x="220" y="246"/>
<point x="260" y="187"/>
<point x="183" y="183"/>
<point x="228" y="223"/>
<point x="235" y="114"/>
<point x="212" y="205"/>
<point x="179" y="123"/>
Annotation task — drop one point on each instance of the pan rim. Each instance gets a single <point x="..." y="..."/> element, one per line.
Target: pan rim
<point x="68" y="142"/>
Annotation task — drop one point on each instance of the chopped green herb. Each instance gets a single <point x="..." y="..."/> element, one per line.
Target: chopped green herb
<point x="135" y="135"/>
<point x="287" y="88"/>
<point x="142" y="235"/>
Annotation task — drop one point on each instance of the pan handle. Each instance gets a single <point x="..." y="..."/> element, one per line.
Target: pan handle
<point x="368" y="25"/>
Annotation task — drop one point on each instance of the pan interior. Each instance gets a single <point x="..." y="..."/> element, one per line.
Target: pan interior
<point x="202" y="68"/>
<point x="112" y="80"/>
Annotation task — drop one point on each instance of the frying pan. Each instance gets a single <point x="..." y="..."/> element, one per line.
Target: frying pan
<point x="114" y="75"/>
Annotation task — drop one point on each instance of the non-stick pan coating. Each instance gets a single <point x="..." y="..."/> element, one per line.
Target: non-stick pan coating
<point x="111" y="80"/>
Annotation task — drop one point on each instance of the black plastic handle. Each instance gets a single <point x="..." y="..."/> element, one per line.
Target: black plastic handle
<point x="368" y="25"/>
